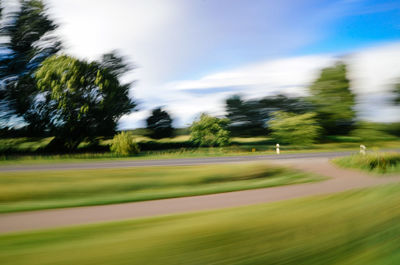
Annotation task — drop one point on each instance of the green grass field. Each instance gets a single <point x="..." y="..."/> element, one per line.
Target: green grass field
<point x="357" y="227"/>
<point x="380" y="163"/>
<point x="245" y="148"/>
<point x="54" y="189"/>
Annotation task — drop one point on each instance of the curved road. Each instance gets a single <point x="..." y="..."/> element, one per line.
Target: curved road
<point x="340" y="180"/>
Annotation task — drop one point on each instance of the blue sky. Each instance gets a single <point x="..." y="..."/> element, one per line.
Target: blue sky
<point x="192" y="54"/>
<point x="361" y="24"/>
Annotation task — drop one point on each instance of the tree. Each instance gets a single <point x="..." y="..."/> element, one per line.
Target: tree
<point x="294" y="128"/>
<point x="250" y="117"/>
<point x="333" y="100"/>
<point x="86" y="99"/>
<point x="159" y="124"/>
<point x="210" y="131"/>
<point x="396" y="92"/>
<point x="245" y="117"/>
<point x="27" y="39"/>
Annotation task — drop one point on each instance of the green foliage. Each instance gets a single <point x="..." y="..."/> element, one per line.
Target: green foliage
<point x="210" y="131"/>
<point x="247" y="117"/>
<point x="369" y="131"/>
<point x="27" y="39"/>
<point x="124" y="144"/>
<point x="376" y="162"/>
<point x="160" y="124"/>
<point x="294" y="129"/>
<point x="86" y="99"/>
<point x="333" y="100"/>
<point x="396" y="92"/>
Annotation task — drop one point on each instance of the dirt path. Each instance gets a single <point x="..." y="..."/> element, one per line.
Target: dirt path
<point x="341" y="180"/>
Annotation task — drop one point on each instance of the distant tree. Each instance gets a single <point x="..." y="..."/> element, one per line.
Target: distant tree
<point x="159" y="124"/>
<point x="250" y="117"/>
<point x="396" y="92"/>
<point x="294" y="128"/>
<point x="245" y="117"/>
<point x="26" y="40"/>
<point x="333" y="100"/>
<point x="296" y="105"/>
<point x="85" y="99"/>
<point x="210" y="131"/>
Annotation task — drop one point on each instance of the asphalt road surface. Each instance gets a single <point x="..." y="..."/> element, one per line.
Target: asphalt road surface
<point x="169" y="162"/>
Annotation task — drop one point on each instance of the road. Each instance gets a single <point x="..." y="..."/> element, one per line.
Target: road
<point x="168" y="162"/>
<point x="340" y="180"/>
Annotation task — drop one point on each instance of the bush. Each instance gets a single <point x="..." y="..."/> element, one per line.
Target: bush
<point x="294" y="128"/>
<point x="378" y="162"/>
<point x="123" y="144"/>
<point x="209" y="131"/>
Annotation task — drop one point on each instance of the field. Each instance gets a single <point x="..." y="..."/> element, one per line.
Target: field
<point x="356" y="227"/>
<point x="380" y="163"/>
<point x="54" y="189"/>
<point x="32" y="150"/>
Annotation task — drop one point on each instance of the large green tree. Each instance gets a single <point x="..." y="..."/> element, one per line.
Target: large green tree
<point x="159" y="124"/>
<point x="86" y="99"/>
<point x="333" y="100"/>
<point x="27" y="38"/>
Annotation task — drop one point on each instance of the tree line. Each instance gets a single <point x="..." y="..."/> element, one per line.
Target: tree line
<point x="328" y="110"/>
<point x="46" y="92"/>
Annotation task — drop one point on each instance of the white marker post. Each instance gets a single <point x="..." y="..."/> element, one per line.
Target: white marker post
<point x="362" y="149"/>
<point x="277" y="149"/>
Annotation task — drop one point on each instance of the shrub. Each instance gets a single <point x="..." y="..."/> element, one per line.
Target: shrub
<point x="123" y="144"/>
<point x="380" y="162"/>
<point x="209" y="131"/>
<point x="294" y="128"/>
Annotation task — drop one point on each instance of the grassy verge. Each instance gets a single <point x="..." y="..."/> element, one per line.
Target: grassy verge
<point x="154" y="155"/>
<point x="26" y="154"/>
<point x="54" y="189"/>
<point x="380" y="163"/>
<point x="357" y="227"/>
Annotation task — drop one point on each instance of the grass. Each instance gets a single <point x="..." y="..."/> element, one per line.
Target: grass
<point x="356" y="227"/>
<point x="24" y="143"/>
<point x="381" y="163"/>
<point x="27" y="150"/>
<point x="34" y="190"/>
<point x="245" y="149"/>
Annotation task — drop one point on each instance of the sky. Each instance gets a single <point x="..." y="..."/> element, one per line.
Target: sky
<point x="190" y="55"/>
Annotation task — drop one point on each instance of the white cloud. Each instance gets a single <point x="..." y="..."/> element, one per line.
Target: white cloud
<point x="186" y="99"/>
<point x="373" y="72"/>
<point x="270" y="76"/>
<point x="173" y="41"/>
<point x="169" y="40"/>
